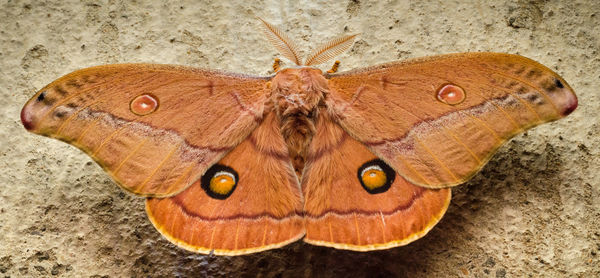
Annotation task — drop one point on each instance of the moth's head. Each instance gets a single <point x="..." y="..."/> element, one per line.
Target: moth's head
<point x="298" y="80"/>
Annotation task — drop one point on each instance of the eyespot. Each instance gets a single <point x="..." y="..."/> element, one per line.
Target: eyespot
<point x="143" y="104"/>
<point x="219" y="181"/>
<point x="41" y="96"/>
<point x="375" y="176"/>
<point x="222" y="182"/>
<point x="558" y="83"/>
<point x="451" y="94"/>
<point x="46" y="99"/>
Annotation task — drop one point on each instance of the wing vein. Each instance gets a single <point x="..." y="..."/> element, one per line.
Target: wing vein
<point x="129" y="156"/>
<point x="436" y="158"/>
<point x="70" y="118"/>
<point x="86" y="129"/>
<point x="486" y="126"/>
<point x="107" y="139"/>
<point x="357" y="228"/>
<point x="460" y="141"/>
<point x="184" y="174"/>
<point x="162" y="162"/>
<point x="237" y="233"/>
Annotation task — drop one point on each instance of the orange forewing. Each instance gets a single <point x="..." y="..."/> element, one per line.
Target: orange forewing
<point x="199" y="116"/>
<point x="398" y="110"/>
<point x="263" y="212"/>
<point x="340" y="213"/>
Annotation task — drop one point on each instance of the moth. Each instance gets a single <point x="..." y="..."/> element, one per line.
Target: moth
<point x="360" y="160"/>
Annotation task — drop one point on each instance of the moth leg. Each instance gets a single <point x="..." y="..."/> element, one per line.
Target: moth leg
<point x="276" y="64"/>
<point x="335" y="67"/>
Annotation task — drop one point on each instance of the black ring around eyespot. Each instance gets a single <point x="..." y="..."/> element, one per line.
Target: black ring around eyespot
<point x="390" y="175"/>
<point x="210" y="173"/>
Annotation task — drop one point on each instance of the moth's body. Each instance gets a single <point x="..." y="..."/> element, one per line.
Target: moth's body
<point x="296" y="94"/>
<point x="362" y="160"/>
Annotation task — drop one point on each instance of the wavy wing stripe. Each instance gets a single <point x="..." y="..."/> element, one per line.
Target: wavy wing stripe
<point x="458" y="140"/>
<point x="401" y="208"/>
<point x="293" y="233"/>
<point x="385" y="242"/>
<point x="124" y="125"/>
<point x="245" y="216"/>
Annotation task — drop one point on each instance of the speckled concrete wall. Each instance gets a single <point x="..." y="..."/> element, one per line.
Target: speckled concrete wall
<point x="533" y="210"/>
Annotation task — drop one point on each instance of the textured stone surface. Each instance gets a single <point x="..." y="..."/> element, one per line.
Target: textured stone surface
<point x="534" y="210"/>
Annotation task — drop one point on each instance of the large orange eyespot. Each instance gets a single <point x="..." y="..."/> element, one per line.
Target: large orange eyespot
<point x="219" y="181"/>
<point x="451" y="94"/>
<point x="375" y="176"/>
<point x="143" y="104"/>
<point x="222" y="183"/>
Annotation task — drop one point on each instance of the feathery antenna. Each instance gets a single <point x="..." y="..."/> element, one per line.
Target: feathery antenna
<point x="279" y="40"/>
<point x="327" y="51"/>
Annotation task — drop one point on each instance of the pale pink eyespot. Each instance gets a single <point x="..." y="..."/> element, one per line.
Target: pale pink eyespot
<point x="143" y="104"/>
<point x="451" y="94"/>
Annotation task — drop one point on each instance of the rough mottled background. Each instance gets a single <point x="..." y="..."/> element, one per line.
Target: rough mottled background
<point x="533" y="210"/>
